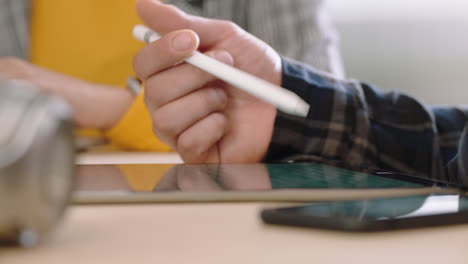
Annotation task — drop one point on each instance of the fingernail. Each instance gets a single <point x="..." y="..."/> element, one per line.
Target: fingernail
<point x="183" y="41"/>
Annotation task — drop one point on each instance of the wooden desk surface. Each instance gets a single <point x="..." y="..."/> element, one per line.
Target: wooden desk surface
<point x="220" y="233"/>
<point x="100" y="157"/>
<point x="225" y="233"/>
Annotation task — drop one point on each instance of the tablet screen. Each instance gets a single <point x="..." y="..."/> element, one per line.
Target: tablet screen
<point x="224" y="178"/>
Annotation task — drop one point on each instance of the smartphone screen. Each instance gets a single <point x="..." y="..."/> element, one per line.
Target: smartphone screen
<point x="375" y="214"/>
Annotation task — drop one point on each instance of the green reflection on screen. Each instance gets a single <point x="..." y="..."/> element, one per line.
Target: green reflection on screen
<point x="312" y="175"/>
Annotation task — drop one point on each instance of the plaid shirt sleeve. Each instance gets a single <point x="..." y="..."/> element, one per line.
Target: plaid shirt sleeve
<point x="358" y="126"/>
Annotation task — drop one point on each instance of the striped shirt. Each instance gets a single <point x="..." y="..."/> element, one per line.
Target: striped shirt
<point x="298" y="29"/>
<point x="14" y="17"/>
<point x="355" y="125"/>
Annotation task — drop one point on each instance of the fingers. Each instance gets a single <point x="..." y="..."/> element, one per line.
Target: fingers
<point x="172" y="119"/>
<point x="196" y="178"/>
<point x="185" y="108"/>
<point x="180" y="98"/>
<point x="199" y="142"/>
<point x="164" y="53"/>
<point x="166" y="18"/>
<point x="179" y="81"/>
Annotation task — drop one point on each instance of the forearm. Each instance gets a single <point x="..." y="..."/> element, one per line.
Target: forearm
<point x="93" y="105"/>
<point x="450" y="122"/>
<point x="321" y="136"/>
<point x="357" y="125"/>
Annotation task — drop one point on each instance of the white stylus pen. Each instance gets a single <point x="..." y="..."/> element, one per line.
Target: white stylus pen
<point x="283" y="99"/>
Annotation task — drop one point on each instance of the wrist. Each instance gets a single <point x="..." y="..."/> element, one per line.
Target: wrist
<point x="114" y="106"/>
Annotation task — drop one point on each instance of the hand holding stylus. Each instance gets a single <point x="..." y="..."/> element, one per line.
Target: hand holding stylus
<point x="283" y="99"/>
<point x="202" y="118"/>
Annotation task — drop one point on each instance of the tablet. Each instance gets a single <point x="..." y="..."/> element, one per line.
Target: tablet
<point x="279" y="182"/>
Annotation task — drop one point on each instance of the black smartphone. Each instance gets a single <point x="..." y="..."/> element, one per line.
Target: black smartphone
<point x="375" y="214"/>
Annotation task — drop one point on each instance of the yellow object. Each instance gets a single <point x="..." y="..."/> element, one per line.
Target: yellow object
<point x="134" y="131"/>
<point x="144" y="178"/>
<point x="91" y="40"/>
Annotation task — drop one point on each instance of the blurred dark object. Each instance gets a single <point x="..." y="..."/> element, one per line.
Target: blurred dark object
<point x="36" y="162"/>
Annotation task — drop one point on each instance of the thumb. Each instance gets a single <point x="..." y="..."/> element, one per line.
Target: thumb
<point x="164" y="18"/>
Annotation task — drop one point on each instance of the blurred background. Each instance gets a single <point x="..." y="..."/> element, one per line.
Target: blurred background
<point x="419" y="47"/>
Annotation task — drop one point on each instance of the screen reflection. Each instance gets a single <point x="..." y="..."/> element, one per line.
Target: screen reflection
<point x="389" y="208"/>
<point x="235" y="177"/>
